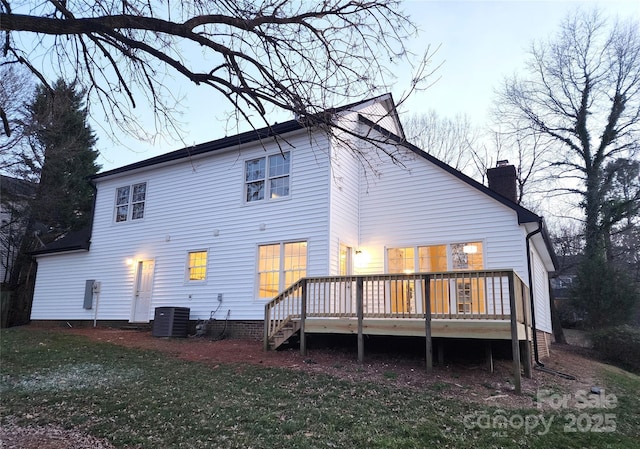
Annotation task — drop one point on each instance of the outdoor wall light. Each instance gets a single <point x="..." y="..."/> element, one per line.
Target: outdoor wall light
<point x="129" y="261"/>
<point x="361" y="258"/>
<point x="469" y="249"/>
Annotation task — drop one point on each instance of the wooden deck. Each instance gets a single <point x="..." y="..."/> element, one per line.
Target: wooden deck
<point x="414" y="327"/>
<point x="488" y="305"/>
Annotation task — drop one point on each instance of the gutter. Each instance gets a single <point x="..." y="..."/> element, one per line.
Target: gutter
<point x="531" y="295"/>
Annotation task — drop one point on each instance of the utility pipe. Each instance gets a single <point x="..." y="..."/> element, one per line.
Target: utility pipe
<point x="531" y="294"/>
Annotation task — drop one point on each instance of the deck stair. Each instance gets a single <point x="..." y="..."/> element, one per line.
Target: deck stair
<point x="287" y="331"/>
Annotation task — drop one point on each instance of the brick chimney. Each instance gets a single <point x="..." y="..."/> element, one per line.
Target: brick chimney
<point x="502" y="180"/>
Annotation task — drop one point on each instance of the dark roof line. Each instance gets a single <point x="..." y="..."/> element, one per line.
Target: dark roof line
<point x="17" y="187"/>
<point x="207" y="147"/>
<point x="236" y="140"/>
<point x="524" y="214"/>
<point x="73" y="241"/>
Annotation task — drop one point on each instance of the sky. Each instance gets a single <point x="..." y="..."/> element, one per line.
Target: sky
<point x="481" y="42"/>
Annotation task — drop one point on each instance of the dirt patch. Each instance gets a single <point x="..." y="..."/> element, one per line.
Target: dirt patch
<point x="464" y="381"/>
<point x="468" y="382"/>
<point x="13" y="436"/>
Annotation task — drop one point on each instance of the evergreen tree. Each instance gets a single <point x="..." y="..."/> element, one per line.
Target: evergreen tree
<point x="60" y="158"/>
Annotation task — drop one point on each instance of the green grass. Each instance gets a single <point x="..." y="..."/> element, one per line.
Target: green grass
<point x="149" y="400"/>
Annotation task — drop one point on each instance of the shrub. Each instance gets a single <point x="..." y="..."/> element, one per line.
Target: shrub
<point x="620" y="345"/>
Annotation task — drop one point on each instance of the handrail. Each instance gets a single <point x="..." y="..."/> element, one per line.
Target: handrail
<point x="275" y="318"/>
<point x="478" y="294"/>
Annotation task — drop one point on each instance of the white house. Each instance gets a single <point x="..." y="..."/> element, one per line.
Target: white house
<point x="226" y="226"/>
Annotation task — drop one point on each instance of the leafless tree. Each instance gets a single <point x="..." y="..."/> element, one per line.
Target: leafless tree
<point x="292" y="55"/>
<point x="16" y="91"/>
<point x="581" y="95"/>
<point x="452" y="140"/>
<point x="526" y="149"/>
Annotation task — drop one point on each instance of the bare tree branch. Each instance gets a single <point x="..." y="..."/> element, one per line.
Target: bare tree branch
<point x="292" y="55"/>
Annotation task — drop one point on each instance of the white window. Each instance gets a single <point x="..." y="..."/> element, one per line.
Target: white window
<point x="130" y="202"/>
<point x="455" y="256"/>
<point x="467" y="294"/>
<point x="267" y="177"/>
<point x="197" y="265"/>
<point x="279" y="266"/>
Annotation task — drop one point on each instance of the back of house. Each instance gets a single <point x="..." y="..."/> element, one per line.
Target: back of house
<point x="224" y="227"/>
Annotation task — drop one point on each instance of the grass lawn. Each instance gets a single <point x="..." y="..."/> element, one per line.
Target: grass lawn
<point x="147" y="399"/>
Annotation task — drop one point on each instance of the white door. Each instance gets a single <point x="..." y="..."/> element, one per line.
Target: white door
<point x="142" y="291"/>
<point x="345" y="303"/>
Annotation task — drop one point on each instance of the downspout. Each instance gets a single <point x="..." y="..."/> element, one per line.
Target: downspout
<point x="531" y="295"/>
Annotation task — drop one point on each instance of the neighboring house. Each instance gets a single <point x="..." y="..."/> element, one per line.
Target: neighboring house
<point x="14" y="198"/>
<point x="229" y="225"/>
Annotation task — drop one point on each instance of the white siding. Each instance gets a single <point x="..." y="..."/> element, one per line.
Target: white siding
<point x="198" y="205"/>
<point x="422" y="204"/>
<point x="343" y="223"/>
<point x="380" y="114"/>
<point x="187" y="204"/>
<point x="541" y="292"/>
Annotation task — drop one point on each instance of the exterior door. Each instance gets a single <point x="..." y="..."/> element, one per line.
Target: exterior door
<point x="345" y="303"/>
<point x="142" y="291"/>
<point x="402" y="261"/>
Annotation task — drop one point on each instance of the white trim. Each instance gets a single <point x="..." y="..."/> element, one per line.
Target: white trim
<point x="188" y="281"/>
<point x="266" y="198"/>
<point x="129" y="204"/>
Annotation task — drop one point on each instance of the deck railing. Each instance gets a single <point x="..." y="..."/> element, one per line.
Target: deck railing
<point x="485" y="295"/>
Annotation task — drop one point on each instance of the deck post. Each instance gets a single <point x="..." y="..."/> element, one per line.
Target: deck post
<point x="525" y="350"/>
<point x="515" y="344"/>
<point x="427" y="323"/>
<point x="489" y="355"/>
<point x="267" y="325"/>
<point x="303" y="316"/>
<point x="360" y="314"/>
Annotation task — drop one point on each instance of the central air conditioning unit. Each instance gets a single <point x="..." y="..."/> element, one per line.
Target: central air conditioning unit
<point x="171" y="322"/>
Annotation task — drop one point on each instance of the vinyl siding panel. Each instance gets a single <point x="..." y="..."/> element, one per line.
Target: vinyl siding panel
<point x="422" y="204"/>
<point x="541" y="293"/>
<point x="198" y="204"/>
<point x="194" y="205"/>
<point x="344" y="201"/>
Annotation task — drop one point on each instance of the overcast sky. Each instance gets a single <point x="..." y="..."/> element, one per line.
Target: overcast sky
<point x="481" y="42"/>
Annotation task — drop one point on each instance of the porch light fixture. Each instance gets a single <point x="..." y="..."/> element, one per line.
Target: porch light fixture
<point x="361" y="258"/>
<point x="469" y="249"/>
<point x="129" y="261"/>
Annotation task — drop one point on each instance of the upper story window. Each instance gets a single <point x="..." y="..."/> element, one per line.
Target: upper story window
<point x="267" y="177"/>
<point x="130" y="202"/>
